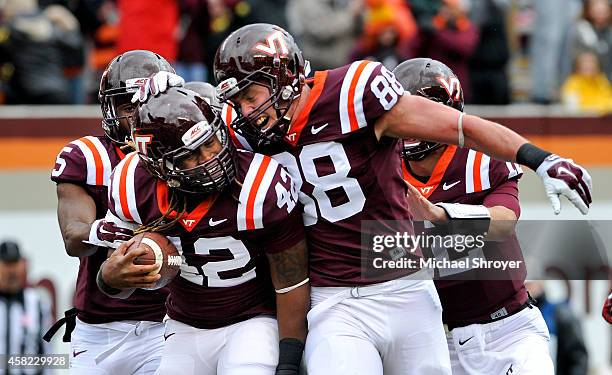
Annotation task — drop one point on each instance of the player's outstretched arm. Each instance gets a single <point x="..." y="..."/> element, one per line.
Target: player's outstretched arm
<point x="420" y="118"/>
<point x="76" y="211"/>
<point x="289" y="270"/>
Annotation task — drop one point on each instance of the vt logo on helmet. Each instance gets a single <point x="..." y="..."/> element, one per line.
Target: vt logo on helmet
<point x="435" y="81"/>
<point x="182" y="141"/>
<point x="265" y="55"/>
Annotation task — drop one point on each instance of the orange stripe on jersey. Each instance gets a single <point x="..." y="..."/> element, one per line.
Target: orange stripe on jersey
<point x="119" y="152"/>
<point x="431" y="185"/>
<point x="123" y="199"/>
<point x="189" y="220"/>
<point x="97" y="160"/>
<point x="351" y="96"/>
<point x="250" y="208"/>
<point x="318" y="82"/>
<point x="228" y="117"/>
<point x="476" y="174"/>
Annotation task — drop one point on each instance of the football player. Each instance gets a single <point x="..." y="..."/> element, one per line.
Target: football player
<point x="337" y="134"/>
<point x="226" y="210"/>
<point x="82" y="173"/>
<point x="493" y="327"/>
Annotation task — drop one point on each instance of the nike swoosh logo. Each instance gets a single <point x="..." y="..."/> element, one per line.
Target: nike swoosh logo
<point x="75" y="353"/>
<point x="212" y="222"/>
<point x="446" y="187"/>
<point x="170" y="334"/>
<point x="463" y="342"/>
<point x="316" y="130"/>
<point x="563" y="170"/>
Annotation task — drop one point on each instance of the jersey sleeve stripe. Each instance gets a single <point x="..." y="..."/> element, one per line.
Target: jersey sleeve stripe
<point x="99" y="167"/>
<point x="89" y="160"/>
<point x="351" y="96"/>
<point x="469" y="172"/>
<point x="359" y="91"/>
<point x="131" y="188"/>
<point x="485" y="182"/>
<point x="511" y="171"/>
<point x="106" y="163"/>
<point x="247" y="186"/>
<point x="123" y="193"/>
<point x="115" y="192"/>
<point x="258" y="210"/>
<point x="251" y="202"/>
<point x="477" y="177"/>
<point x="345" y="122"/>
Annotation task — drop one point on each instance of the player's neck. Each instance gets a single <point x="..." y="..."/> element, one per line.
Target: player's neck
<point x="300" y="104"/>
<point x="426" y="166"/>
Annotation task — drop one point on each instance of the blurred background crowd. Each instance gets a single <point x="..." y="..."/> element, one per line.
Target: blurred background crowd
<point x="504" y="51"/>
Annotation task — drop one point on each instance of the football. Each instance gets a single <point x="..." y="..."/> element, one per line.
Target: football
<point x="161" y="252"/>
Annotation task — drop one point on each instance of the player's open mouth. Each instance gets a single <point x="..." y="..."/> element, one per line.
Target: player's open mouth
<point x="262" y="121"/>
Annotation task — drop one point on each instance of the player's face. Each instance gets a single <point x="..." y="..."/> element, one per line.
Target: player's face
<point x="125" y="111"/>
<point x="250" y="99"/>
<point x="204" y="153"/>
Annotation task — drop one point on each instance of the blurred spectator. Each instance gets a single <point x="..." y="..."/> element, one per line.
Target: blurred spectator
<point x="549" y="47"/>
<point x="489" y="63"/>
<point x="587" y="89"/>
<point x="325" y="29"/>
<point x="388" y="26"/>
<point x="270" y="11"/>
<point x="225" y="17"/>
<point x="25" y="312"/>
<point x="100" y="24"/>
<point x="566" y="336"/>
<point x="149" y="25"/>
<point x="194" y="27"/>
<point x="594" y="32"/>
<point x="448" y="36"/>
<point x="39" y="45"/>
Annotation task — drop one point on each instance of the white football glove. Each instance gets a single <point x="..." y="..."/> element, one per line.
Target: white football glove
<point x="108" y="234"/>
<point x="158" y="82"/>
<point x="564" y="177"/>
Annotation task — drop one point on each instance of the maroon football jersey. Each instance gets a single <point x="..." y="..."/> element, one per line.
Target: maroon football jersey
<point x="345" y="175"/>
<point x="466" y="176"/>
<point x="223" y="239"/>
<point x="88" y="162"/>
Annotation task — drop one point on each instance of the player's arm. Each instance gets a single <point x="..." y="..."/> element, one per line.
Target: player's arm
<point x="76" y="211"/>
<point x="497" y="216"/>
<point x="289" y="271"/>
<point x="416" y="117"/>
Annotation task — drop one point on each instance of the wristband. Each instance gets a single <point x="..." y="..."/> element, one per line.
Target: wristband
<point x="531" y="156"/>
<point x="289" y="355"/>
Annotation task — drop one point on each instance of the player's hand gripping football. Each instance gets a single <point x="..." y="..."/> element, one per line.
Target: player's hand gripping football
<point x="158" y="82"/>
<point x="564" y="177"/>
<point x="108" y="234"/>
<point x="422" y="208"/>
<point x="120" y="272"/>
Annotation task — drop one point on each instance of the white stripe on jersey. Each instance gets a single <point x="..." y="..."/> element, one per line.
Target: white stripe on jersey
<point x="244" y="192"/>
<point x="131" y="191"/>
<point x="345" y="122"/>
<point x="469" y="172"/>
<point x="512" y="171"/>
<point x="89" y="159"/>
<point x="359" y="91"/>
<point x="485" y="183"/>
<point x="106" y="163"/>
<point x="260" y="198"/>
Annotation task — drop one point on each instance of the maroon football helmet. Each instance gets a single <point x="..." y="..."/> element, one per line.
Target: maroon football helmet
<point x="266" y="55"/>
<point x="120" y="81"/>
<point x="207" y="91"/>
<point x="173" y="125"/>
<point x="435" y="81"/>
